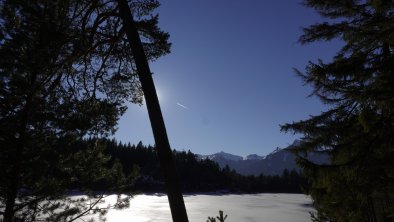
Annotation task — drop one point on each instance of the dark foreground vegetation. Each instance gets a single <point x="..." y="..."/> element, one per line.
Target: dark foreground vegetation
<point x="357" y="129"/>
<point x="67" y="72"/>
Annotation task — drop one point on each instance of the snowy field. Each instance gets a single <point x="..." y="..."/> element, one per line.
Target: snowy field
<point x="239" y="208"/>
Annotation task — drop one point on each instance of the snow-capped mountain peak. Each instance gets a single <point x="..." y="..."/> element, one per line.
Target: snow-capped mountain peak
<point x="296" y="142"/>
<point x="277" y="149"/>
<point x="254" y="157"/>
<point x="222" y="155"/>
<point x="272" y="164"/>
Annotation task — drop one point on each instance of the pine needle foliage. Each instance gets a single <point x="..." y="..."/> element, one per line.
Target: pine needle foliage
<point x="357" y="130"/>
<point x="64" y="76"/>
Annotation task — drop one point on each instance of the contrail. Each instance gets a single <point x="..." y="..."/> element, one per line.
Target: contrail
<point x="183" y="106"/>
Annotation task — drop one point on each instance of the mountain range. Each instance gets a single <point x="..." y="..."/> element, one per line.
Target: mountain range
<point x="272" y="164"/>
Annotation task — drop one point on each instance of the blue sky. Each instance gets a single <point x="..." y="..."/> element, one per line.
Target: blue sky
<point x="229" y="82"/>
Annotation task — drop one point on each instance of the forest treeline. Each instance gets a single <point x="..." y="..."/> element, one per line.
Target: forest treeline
<point x="140" y="162"/>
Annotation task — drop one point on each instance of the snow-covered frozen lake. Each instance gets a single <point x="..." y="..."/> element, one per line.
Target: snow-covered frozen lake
<point x="239" y="208"/>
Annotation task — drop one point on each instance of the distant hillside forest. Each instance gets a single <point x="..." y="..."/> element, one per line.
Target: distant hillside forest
<point x="195" y="175"/>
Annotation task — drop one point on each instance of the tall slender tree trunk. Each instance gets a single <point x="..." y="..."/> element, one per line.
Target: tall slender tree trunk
<point x="15" y="172"/>
<point x="14" y="175"/>
<point x="175" y="198"/>
<point x="9" y="205"/>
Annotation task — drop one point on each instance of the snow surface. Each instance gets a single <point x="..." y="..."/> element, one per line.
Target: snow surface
<point x="239" y="208"/>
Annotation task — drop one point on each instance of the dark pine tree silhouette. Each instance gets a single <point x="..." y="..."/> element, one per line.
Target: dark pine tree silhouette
<point x="64" y="76"/>
<point x="357" y="130"/>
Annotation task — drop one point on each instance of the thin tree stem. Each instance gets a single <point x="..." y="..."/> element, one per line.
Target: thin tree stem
<point x="175" y="198"/>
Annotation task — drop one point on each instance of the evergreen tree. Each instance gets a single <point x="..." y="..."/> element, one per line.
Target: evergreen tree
<point x="357" y="130"/>
<point x="64" y="75"/>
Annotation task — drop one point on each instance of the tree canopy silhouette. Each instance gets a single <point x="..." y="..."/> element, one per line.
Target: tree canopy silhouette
<point x="357" y="130"/>
<point x="64" y="75"/>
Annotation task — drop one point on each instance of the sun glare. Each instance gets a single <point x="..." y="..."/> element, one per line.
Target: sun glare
<point x="160" y="95"/>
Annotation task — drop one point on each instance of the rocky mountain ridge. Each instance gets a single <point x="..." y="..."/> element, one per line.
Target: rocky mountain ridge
<point x="253" y="164"/>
